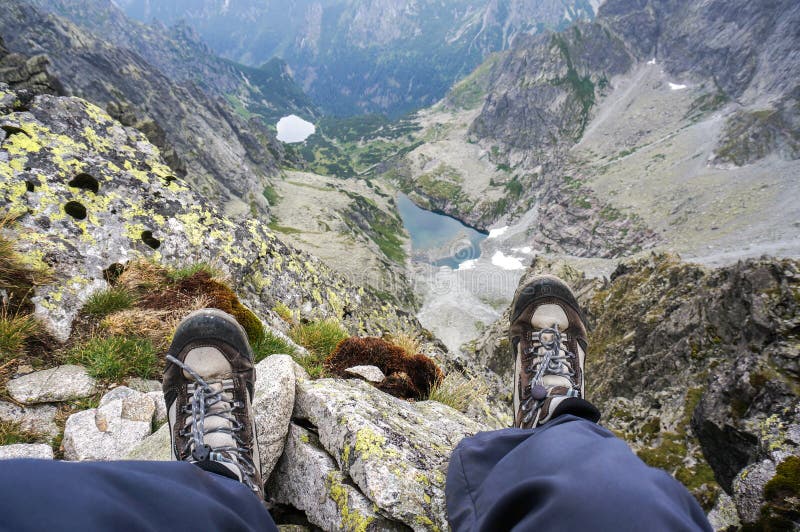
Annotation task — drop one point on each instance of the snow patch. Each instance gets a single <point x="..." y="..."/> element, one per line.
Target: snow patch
<point x="507" y="262"/>
<point x="467" y="265"/>
<point x="596" y="4"/>
<point x="676" y="87"/>
<point x="494" y="233"/>
<point x="527" y="250"/>
<point x="652" y="61"/>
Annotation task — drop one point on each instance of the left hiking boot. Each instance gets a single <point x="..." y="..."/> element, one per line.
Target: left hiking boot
<point x="548" y="337"/>
<point x="208" y="387"/>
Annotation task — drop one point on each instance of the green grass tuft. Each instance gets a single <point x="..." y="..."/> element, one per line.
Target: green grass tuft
<point x="320" y="338"/>
<point x="14" y="334"/>
<point x="115" y="358"/>
<point x="271" y="344"/>
<point x="103" y="303"/>
<point x="11" y="433"/>
<point x="179" y="274"/>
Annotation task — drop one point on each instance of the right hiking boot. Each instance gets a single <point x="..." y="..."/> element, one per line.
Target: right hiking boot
<point x="548" y="337"/>
<point x="208" y="388"/>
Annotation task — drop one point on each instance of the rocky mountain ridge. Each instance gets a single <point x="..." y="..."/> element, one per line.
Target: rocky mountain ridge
<point x="366" y="55"/>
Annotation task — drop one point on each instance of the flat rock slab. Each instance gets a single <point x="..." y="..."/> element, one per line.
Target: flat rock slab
<point x="54" y="385"/>
<point x="395" y="451"/>
<point x="39" y="419"/>
<point x="308" y="478"/>
<point x="122" y="420"/>
<point x="26" y="450"/>
<point x="273" y="402"/>
<point x="368" y="373"/>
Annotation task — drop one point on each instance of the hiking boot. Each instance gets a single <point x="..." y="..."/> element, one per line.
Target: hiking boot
<point x="548" y="338"/>
<point x="208" y="388"/>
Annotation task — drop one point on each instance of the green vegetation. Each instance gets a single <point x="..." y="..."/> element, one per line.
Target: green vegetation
<point x="271" y="195"/>
<point x="470" y="92"/>
<point x="271" y="344"/>
<point x="320" y="338"/>
<point x="782" y="496"/>
<point x="383" y="228"/>
<point x="115" y="358"/>
<point x="105" y="302"/>
<point x="11" y="433"/>
<point x="15" y="332"/>
<point x="458" y="391"/>
<point x="285" y="313"/>
<point x="671" y="453"/>
<point x="582" y="87"/>
<point x="285" y="229"/>
<point x="179" y="274"/>
<point x="707" y="103"/>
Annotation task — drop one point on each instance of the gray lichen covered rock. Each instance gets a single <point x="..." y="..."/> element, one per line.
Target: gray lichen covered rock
<point x="62" y="383"/>
<point x="308" y="479"/>
<point x="273" y="402"/>
<point x="396" y="452"/>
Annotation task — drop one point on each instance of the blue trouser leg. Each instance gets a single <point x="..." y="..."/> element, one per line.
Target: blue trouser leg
<point x="131" y="496"/>
<point x="569" y="474"/>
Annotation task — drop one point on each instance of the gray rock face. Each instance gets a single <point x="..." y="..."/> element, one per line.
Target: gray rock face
<point x="307" y="478"/>
<point x="63" y="383"/>
<point x="26" y="450"/>
<point x="724" y="515"/>
<point x="273" y="402"/>
<point x="368" y="373"/>
<point x="38" y="420"/>
<point x="155" y="447"/>
<point x="748" y="489"/>
<point x="108" y="432"/>
<point x="396" y="452"/>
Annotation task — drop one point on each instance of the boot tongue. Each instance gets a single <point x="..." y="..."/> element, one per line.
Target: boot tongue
<point x="216" y="440"/>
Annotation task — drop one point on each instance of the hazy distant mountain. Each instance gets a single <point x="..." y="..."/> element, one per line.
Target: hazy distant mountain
<point x="356" y="56"/>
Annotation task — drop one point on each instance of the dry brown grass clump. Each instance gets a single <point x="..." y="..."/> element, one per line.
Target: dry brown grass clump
<point x="407" y="376"/>
<point x="160" y="291"/>
<point x="409" y="343"/>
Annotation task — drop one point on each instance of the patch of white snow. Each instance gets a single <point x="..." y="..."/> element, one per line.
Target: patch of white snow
<point x="527" y="250"/>
<point x="652" y="61"/>
<point x="467" y="265"/>
<point x="676" y="87"/>
<point x="507" y="262"/>
<point x="494" y="233"/>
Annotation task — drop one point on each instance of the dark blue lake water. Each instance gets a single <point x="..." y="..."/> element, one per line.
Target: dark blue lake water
<point x="437" y="239"/>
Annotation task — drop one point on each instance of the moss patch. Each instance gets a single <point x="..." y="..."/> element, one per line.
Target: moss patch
<point x="117" y="358"/>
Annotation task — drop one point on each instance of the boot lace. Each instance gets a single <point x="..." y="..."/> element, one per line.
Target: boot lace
<point x="202" y="399"/>
<point x="552" y="362"/>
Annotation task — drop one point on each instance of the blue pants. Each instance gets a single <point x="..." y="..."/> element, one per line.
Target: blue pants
<point x="568" y="475"/>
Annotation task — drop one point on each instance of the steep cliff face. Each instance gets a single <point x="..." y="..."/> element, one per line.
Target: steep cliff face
<point x="225" y="156"/>
<point x="368" y="55"/>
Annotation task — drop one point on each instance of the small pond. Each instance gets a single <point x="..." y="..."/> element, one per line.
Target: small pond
<point x="292" y="128"/>
<point x="438" y="239"/>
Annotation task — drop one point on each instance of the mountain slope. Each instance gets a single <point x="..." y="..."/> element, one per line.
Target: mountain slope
<point x="366" y="55"/>
<point x="223" y="155"/>
<point x="267" y="90"/>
